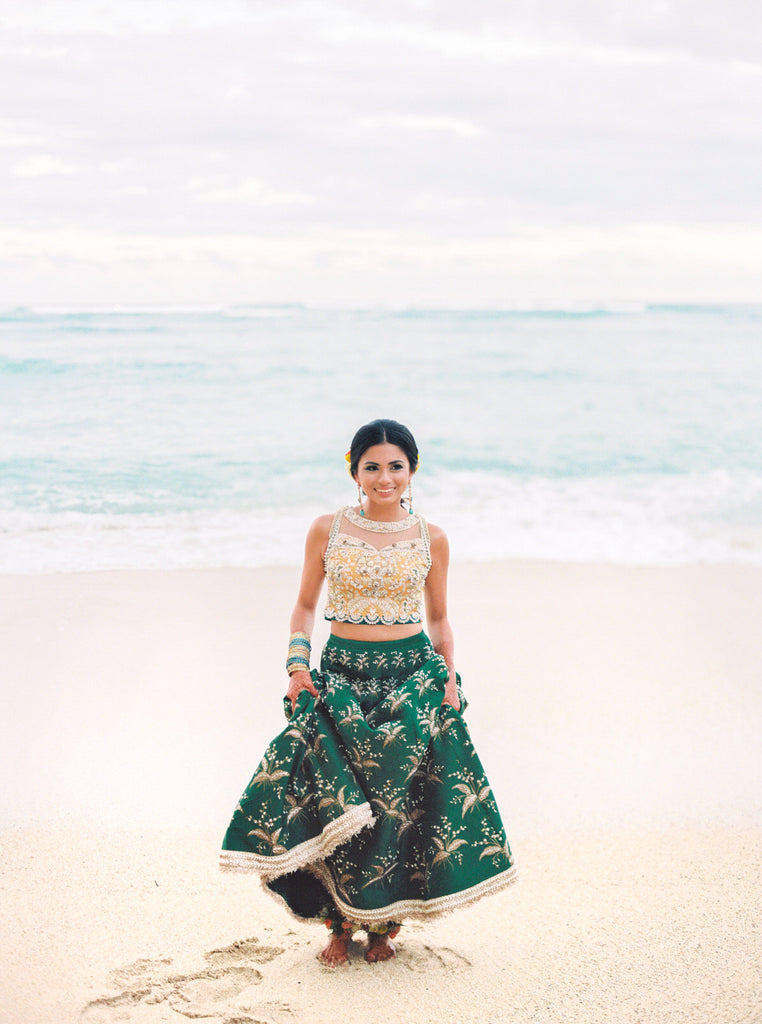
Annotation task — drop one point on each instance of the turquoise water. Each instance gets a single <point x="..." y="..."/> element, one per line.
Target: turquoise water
<point x="180" y="437"/>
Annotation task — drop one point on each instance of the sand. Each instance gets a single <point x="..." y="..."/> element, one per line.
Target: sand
<point x="621" y="736"/>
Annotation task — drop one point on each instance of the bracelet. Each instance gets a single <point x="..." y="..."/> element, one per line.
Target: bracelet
<point x="299" y="648"/>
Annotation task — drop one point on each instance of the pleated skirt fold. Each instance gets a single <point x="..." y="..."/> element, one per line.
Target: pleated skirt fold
<point x="372" y="800"/>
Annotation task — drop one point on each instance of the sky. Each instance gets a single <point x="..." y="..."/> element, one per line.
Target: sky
<point x="404" y="153"/>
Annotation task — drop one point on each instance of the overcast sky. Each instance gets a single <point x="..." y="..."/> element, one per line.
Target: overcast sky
<point x="400" y="152"/>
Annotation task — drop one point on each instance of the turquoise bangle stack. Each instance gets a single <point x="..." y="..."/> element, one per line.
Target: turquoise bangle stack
<point x="299" y="649"/>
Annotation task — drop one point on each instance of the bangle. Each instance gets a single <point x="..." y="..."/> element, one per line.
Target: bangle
<point x="298" y="659"/>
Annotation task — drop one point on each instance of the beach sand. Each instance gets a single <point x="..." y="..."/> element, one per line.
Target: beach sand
<point x="617" y="711"/>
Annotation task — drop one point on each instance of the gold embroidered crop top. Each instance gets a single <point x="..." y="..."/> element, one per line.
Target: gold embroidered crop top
<point x="376" y="584"/>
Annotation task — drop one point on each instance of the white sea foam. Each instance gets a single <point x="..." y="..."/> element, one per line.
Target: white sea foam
<point x="193" y="437"/>
<point x="713" y="518"/>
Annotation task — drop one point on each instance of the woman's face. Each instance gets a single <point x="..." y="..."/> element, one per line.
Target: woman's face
<point x="383" y="472"/>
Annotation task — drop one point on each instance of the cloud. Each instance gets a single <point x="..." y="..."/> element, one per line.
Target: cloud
<point x="420" y="123"/>
<point x="248" y="191"/>
<point x="42" y="165"/>
<point x="542" y="264"/>
<point x="336" y="120"/>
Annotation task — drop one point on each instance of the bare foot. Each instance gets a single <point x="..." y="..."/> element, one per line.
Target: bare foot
<point x="380" y="947"/>
<point x="335" y="952"/>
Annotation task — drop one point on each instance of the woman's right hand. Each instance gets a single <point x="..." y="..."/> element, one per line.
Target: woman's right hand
<point x="297" y="682"/>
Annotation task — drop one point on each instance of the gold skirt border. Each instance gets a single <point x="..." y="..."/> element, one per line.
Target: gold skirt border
<point x="305" y="854"/>
<point x="439" y="906"/>
<point x="309" y="856"/>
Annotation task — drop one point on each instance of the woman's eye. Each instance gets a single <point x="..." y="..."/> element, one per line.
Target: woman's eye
<point x="396" y="467"/>
<point x="370" y="467"/>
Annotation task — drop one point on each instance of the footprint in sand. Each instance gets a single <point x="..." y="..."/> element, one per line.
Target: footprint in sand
<point x="141" y="971"/>
<point x="269" y="1012"/>
<point x="422" y="958"/>
<point x="151" y="991"/>
<point x="197" y="995"/>
<point x="245" y="949"/>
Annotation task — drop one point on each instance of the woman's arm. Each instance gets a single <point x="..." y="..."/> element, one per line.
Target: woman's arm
<point x="438" y="624"/>
<point x="303" y="615"/>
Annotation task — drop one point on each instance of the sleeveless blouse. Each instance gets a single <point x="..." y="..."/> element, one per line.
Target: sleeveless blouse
<point x="373" y="585"/>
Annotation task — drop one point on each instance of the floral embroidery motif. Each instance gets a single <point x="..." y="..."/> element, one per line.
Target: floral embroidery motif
<point x="372" y="801"/>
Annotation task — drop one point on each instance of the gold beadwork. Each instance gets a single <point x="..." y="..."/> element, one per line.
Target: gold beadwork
<point x="378" y="526"/>
<point x="370" y="585"/>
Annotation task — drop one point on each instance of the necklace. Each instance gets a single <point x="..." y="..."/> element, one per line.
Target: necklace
<point x="375" y="526"/>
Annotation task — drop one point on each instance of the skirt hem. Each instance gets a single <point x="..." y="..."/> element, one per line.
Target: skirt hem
<point x="420" y="910"/>
<point x="305" y="854"/>
<point x="439" y="906"/>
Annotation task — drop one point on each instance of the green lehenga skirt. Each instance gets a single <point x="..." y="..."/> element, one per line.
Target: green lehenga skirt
<point x="372" y="801"/>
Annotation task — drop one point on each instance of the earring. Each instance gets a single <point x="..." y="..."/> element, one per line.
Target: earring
<point x="410" y="496"/>
<point x="359" y="500"/>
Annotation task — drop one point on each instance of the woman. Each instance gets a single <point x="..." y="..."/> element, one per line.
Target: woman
<point x="372" y="806"/>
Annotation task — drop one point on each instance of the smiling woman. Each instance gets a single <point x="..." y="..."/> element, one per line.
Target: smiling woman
<point x="372" y="805"/>
<point x="384" y="472"/>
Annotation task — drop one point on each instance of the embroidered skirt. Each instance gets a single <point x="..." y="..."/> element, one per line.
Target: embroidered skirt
<point x="372" y="800"/>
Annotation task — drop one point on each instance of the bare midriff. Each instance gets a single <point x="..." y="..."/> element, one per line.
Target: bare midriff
<point x="375" y="632"/>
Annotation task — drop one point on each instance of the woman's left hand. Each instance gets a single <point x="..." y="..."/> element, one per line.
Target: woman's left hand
<point x="451" y="695"/>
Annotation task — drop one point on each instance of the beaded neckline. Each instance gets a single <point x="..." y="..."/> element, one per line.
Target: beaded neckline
<point x="375" y="526"/>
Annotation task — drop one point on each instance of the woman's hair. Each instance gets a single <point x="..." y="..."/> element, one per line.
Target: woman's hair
<point x="383" y="432"/>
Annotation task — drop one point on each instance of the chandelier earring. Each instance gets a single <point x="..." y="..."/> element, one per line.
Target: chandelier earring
<point x="410" y="496"/>
<point x="359" y="499"/>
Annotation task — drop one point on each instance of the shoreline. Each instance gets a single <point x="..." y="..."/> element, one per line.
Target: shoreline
<point x="468" y="562"/>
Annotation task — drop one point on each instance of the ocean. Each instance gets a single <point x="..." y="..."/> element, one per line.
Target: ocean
<point x="181" y="437"/>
